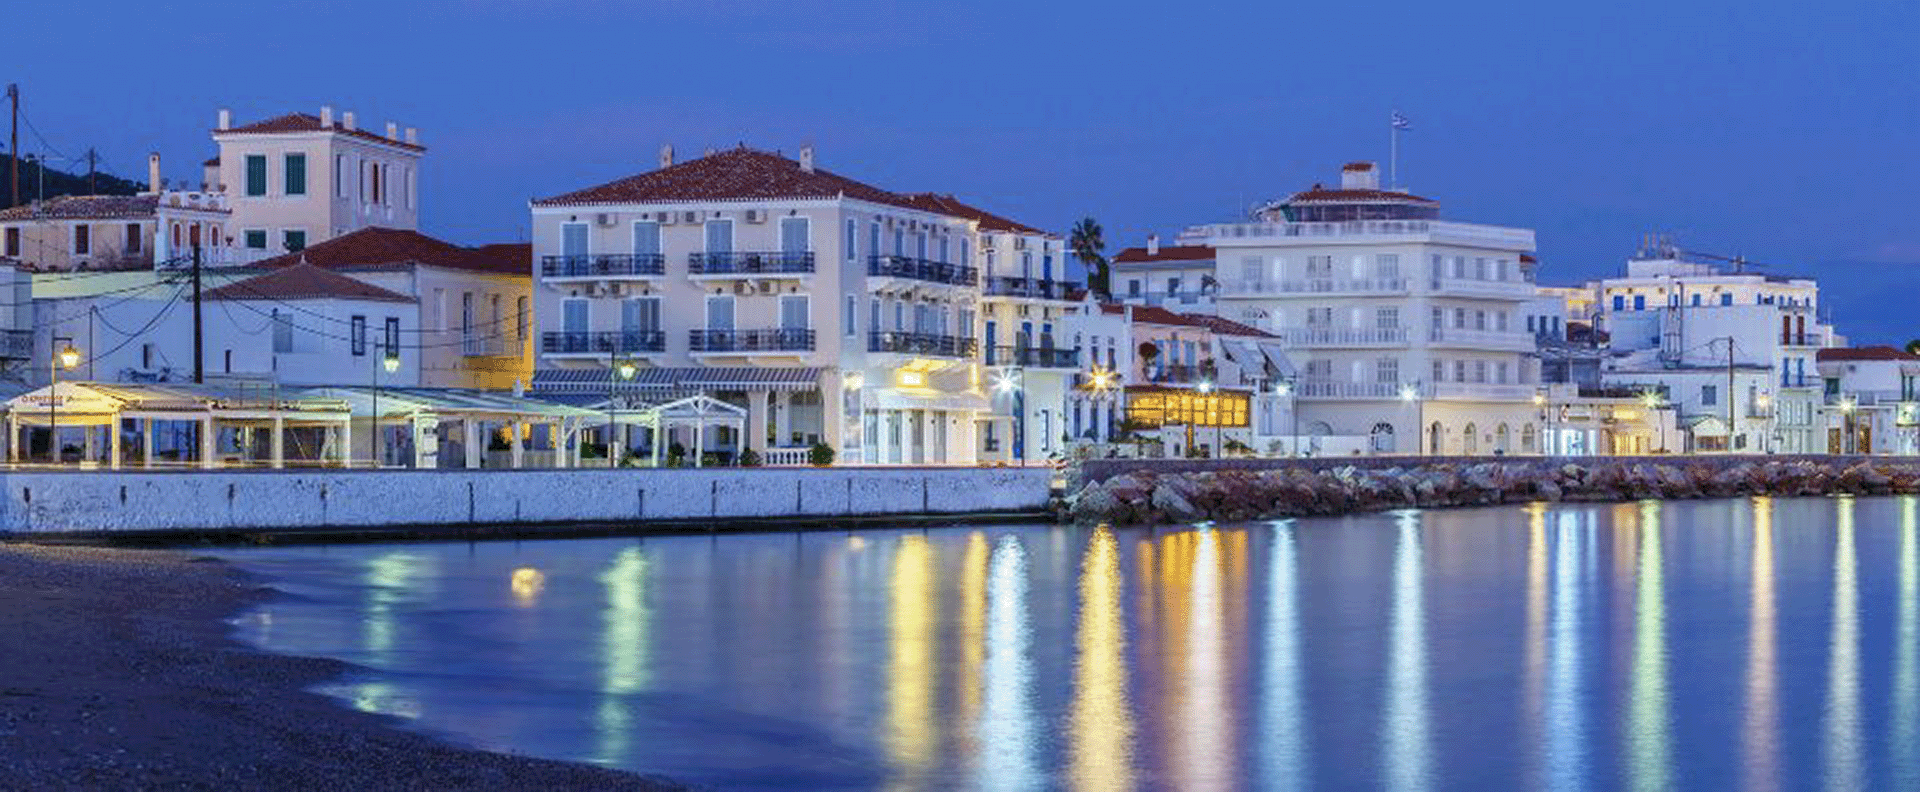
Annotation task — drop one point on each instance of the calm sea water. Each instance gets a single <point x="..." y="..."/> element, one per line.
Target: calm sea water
<point x="1747" y="644"/>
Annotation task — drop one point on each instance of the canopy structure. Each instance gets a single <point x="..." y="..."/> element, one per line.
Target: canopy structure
<point x="425" y="412"/>
<point x="225" y="423"/>
<point x="694" y="413"/>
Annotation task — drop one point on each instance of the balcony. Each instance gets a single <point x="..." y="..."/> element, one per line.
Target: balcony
<point x="1350" y="390"/>
<point x="1029" y="288"/>
<point x="749" y="265"/>
<point x="1345" y="336"/>
<point x="1481" y="391"/>
<point x="1492" y="289"/>
<point x="603" y="266"/>
<point x="1316" y="287"/>
<point x="605" y="342"/>
<point x="1176" y="374"/>
<point x="1481" y="339"/>
<point x="724" y="342"/>
<point x="1034" y="357"/>
<point x="1816" y="340"/>
<point x="919" y="269"/>
<point x="487" y="346"/>
<point x="16" y="344"/>
<point x="1169" y="298"/>
<point x="1384" y="231"/>
<point x="922" y="344"/>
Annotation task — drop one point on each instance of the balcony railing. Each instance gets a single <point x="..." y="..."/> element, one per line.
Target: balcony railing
<point x="603" y="342"/>
<point x="1482" y="339"/>
<point x="1177" y="373"/>
<point x="922" y="344"/>
<point x="1435" y="230"/>
<point x="1316" y="287"/>
<point x="922" y="270"/>
<point x="1467" y="287"/>
<point x="484" y="346"/>
<point x="1036" y="357"/>
<point x="775" y="340"/>
<point x="1032" y="288"/>
<point x="1350" y="390"/>
<point x="604" y="265"/>
<point x="1803" y="340"/>
<point x="1344" y="336"/>
<point x="16" y="344"/>
<point x="772" y="263"/>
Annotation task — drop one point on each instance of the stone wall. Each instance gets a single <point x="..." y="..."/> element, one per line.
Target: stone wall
<point x="54" y="503"/>
<point x="1273" y="489"/>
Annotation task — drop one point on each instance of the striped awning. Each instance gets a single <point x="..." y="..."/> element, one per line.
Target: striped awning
<point x="693" y="379"/>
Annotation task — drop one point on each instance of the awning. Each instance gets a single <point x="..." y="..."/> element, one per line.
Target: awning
<point x="99" y="403"/>
<point x="1276" y="356"/>
<point x="550" y="382"/>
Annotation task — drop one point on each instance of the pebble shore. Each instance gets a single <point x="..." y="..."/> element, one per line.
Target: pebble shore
<point x="1144" y="496"/>
<point x="119" y="673"/>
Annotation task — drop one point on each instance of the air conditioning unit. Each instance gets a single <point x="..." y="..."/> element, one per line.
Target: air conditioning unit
<point x="743" y="288"/>
<point x="767" y="287"/>
<point x="689" y="217"/>
<point x="756" y="215"/>
<point x="604" y="220"/>
<point x="665" y="218"/>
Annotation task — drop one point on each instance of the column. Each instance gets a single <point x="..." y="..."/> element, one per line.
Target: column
<point x="783" y="418"/>
<point x="13" y="440"/>
<point x="278" y="444"/>
<point x="557" y="444"/>
<point x="206" y="442"/>
<point x="700" y="442"/>
<point x="146" y="442"/>
<point x="88" y="444"/>
<point x="756" y="428"/>
<point x="514" y="444"/>
<point x="653" y="435"/>
<point x="832" y="416"/>
<point x="113" y="443"/>
<point x="471" y="428"/>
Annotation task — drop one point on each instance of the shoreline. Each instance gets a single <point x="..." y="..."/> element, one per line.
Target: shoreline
<point x="124" y="673"/>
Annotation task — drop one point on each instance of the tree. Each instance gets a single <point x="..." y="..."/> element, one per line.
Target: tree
<point x="1089" y="245"/>
<point x="1913" y="347"/>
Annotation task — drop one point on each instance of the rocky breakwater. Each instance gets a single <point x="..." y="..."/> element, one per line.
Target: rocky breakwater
<point x="1145" y="497"/>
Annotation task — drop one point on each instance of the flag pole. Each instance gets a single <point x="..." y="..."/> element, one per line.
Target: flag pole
<point x="1393" y="155"/>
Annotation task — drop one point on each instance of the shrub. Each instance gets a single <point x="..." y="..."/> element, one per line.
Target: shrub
<point x="820" y="455"/>
<point x="749" y="458"/>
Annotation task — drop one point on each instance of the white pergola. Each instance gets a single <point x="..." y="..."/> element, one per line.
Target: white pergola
<point x="423" y="410"/>
<point x="693" y="412"/>
<point x="94" y="405"/>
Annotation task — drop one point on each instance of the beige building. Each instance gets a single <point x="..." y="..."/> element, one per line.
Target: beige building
<point x="116" y="232"/>
<point x="298" y="179"/>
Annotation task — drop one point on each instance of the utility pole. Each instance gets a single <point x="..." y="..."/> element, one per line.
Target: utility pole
<point x="13" y="144"/>
<point x="1729" y="394"/>
<point x="92" y="158"/>
<point x="199" y="360"/>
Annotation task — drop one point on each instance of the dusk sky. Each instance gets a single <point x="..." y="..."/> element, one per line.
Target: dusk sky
<point x="1768" y="129"/>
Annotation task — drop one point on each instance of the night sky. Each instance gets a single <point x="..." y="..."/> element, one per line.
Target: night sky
<point x="1781" y="131"/>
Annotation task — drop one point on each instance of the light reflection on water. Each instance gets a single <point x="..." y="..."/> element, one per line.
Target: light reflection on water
<point x="1767" y="644"/>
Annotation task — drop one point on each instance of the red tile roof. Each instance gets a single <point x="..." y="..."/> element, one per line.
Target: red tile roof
<point x="1167" y="253"/>
<point x="1864" y="353"/>
<point x="1153" y="314"/>
<point x="86" y="207"/>
<point x="304" y="122"/>
<point x="304" y="282"/>
<point x="213" y="160"/>
<point x="1228" y="326"/>
<point x="1323" y="195"/>
<point x="391" y="246"/>
<point x="952" y="207"/>
<point x="731" y="175"/>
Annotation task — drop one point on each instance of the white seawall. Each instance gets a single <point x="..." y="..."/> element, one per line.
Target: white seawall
<point x="51" y="503"/>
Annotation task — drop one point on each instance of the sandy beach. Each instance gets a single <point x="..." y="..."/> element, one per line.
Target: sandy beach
<point x="119" y="673"/>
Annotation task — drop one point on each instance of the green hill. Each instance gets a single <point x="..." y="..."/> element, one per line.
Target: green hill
<point x="58" y="182"/>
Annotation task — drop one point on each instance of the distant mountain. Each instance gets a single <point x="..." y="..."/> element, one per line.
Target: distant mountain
<point x="58" y="182"/>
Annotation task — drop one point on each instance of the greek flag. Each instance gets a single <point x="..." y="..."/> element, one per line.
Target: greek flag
<point x="1400" y="121"/>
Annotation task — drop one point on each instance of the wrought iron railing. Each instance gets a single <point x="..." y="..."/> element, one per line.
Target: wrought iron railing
<point x="922" y="344"/>
<point x="922" y="270"/>
<point x="603" y="342"/>
<point x="774" y="340"/>
<point x="603" y="265"/>
<point x="750" y="263"/>
<point x="1033" y="288"/>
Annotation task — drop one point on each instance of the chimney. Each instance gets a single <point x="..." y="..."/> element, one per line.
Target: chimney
<point x="226" y="118"/>
<point x="393" y="131"/>
<point x="1153" y="244"/>
<point x="413" y="136"/>
<point x="326" y="116"/>
<point x="346" y="120"/>
<point x="806" y="158"/>
<point x="1359" y="176"/>
<point x="709" y="152"/>
<point x="666" y="156"/>
<point x="153" y="173"/>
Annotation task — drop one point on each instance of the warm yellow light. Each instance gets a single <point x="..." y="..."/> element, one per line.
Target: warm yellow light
<point x="911" y="379"/>
<point x="1539" y="399"/>
<point x="1408" y="393"/>
<point x="69" y="357"/>
<point x="1283" y="389"/>
<point x="626" y="369"/>
<point x="391" y="363"/>
<point x="1206" y="386"/>
<point x="527" y="583"/>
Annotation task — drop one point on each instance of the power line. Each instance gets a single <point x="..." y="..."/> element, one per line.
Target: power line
<point x="289" y="323"/>
<point x="42" y="138"/>
<point x="515" y="317"/>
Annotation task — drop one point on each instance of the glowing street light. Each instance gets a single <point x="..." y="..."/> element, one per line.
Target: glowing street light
<point x="67" y="358"/>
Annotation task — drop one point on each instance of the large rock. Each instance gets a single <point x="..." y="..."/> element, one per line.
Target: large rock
<point x="1094" y="504"/>
<point x="1168" y="499"/>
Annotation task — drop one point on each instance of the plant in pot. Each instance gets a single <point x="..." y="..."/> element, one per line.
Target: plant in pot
<point x="820" y="455"/>
<point x="676" y="455"/>
<point x="750" y="458"/>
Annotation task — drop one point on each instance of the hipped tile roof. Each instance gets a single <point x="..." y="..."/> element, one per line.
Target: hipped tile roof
<point x="86" y="207"/>
<point x="304" y="282"/>
<point x="1167" y="253"/>
<point x="378" y="246"/>
<point x="304" y="122"/>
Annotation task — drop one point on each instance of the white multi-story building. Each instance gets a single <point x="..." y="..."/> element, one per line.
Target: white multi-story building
<point x="834" y="311"/>
<point x="298" y="179"/>
<point x="1177" y="277"/>
<point x="1871" y="401"/>
<point x="1408" y="329"/>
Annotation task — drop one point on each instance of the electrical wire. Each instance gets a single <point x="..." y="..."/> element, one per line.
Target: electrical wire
<point x="337" y="337"/>
<point x="515" y="317"/>
<point x="42" y="138"/>
<point x="165" y="308"/>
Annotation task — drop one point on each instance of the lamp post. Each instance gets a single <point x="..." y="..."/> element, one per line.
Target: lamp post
<point x="620" y="370"/>
<point x="1411" y="394"/>
<point x="390" y="361"/>
<point x="1007" y="382"/>
<point x="65" y="358"/>
<point x="1846" y="412"/>
<point x="1652" y="400"/>
<point x="1206" y="389"/>
<point x="1284" y="388"/>
<point x="1546" y="413"/>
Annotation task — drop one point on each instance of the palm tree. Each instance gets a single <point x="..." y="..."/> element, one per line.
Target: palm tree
<point x="1913" y="347"/>
<point x="1088" y="244"/>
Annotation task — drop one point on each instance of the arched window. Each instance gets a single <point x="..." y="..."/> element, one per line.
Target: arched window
<point x="1436" y="439"/>
<point x="1470" y="440"/>
<point x="1528" y="442"/>
<point x="1383" y="441"/>
<point x="1500" y="440"/>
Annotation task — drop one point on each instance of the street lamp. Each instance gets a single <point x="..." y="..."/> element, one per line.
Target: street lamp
<point x="67" y="358"/>
<point x="1846" y="411"/>
<point x="619" y="370"/>
<point x="1410" y="394"/>
<point x="1546" y="413"/>
<point x="1206" y="389"/>
<point x="390" y="361"/>
<point x="1653" y="401"/>
<point x="1284" y="388"/>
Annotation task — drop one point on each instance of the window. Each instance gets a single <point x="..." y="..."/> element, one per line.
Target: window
<point x="1439" y="318"/>
<point x="946" y="250"/>
<point x="573" y="315"/>
<point x="1459" y="371"/>
<point x="1387" y="370"/>
<point x="1319" y="266"/>
<point x="1386" y="318"/>
<point x="1459" y="318"/>
<point x="1459" y="267"/>
<point x="899" y="241"/>
<point x="966" y="252"/>
<point x="794" y="310"/>
<point x="466" y="316"/>
<point x="1832" y="386"/>
<point x="873" y="241"/>
<point x="1320" y="316"/>
<point x="1438" y="263"/>
<point x="13" y="241"/>
<point x="1501" y="370"/>
<point x="1500" y="270"/>
<point x="296" y="174"/>
<point x="1639" y="302"/>
<point x="1173" y="284"/>
<point x="133" y="238"/>
<point x="848" y="241"/>
<point x="357" y="335"/>
<point x="720" y="312"/>
<point x="339" y="181"/>
<point x="82" y="239"/>
<point x="406" y="185"/>
<point x="293" y="241"/>
<point x="392" y="333"/>
<point x="1386" y="266"/>
<point x="640" y="315"/>
<point x="847" y="318"/>
<point x="256" y="174"/>
<point x="1479" y="320"/>
<point x="1479" y="371"/>
<point x="256" y="238"/>
<point x="795" y="233"/>
<point x="146" y="356"/>
<point x="719" y="236"/>
<point x="1710" y="394"/>
<point x="1696" y="298"/>
<point x="1726" y="298"/>
<point x="573" y="239"/>
<point x="1320" y="370"/>
<point x="1439" y="370"/>
<point x="1500" y="321"/>
<point x="646" y="238"/>
<point x="1479" y="269"/>
<point x="1251" y="270"/>
<point x="1133" y="287"/>
<point x="520" y="318"/>
<point x="873" y="315"/>
<point x="1620" y="302"/>
<point x="282" y="331"/>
